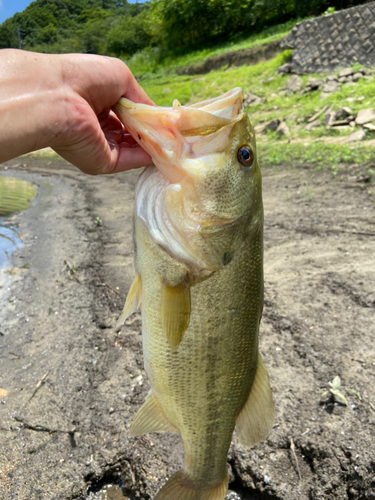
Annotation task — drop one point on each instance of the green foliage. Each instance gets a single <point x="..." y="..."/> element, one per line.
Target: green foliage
<point x="189" y="23"/>
<point x="95" y="26"/>
<point x="115" y="27"/>
<point x="129" y="34"/>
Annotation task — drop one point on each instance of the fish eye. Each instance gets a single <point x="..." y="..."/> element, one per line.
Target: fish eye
<point x="245" y="156"/>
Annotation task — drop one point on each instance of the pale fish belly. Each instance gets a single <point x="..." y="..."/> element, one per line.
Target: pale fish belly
<point x="203" y="385"/>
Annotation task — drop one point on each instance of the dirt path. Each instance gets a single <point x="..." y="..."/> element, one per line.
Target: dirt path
<point x="58" y="329"/>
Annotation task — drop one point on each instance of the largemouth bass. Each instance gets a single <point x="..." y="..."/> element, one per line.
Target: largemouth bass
<point x="198" y="237"/>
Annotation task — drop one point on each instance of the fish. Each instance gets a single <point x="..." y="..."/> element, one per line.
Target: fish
<point x="198" y="242"/>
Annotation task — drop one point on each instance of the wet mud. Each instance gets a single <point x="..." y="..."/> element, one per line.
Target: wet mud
<point x="70" y="383"/>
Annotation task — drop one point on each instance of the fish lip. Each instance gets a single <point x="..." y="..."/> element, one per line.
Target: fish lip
<point x="210" y="104"/>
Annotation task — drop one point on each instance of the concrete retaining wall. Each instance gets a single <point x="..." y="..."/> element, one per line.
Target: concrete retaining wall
<point x="336" y="41"/>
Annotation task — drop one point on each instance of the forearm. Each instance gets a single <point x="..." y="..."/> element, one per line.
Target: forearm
<point x="30" y="91"/>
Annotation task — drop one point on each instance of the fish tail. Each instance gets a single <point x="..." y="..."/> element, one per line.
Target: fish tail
<point x="180" y="488"/>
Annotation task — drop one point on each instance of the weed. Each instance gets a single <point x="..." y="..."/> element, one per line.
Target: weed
<point x="334" y="390"/>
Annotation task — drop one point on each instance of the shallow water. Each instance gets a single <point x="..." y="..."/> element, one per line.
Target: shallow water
<point x="15" y="195"/>
<point x="108" y="492"/>
<point x="9" y="242"/>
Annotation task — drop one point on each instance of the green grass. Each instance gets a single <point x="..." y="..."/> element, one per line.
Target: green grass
<point x="153" y="60"/>
<point x="323" y="156"/>
<point x="164" y="87"/>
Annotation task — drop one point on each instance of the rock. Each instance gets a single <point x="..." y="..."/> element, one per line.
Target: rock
<point x="358" y="135"/>
<point x="342" y="113"/>
<point x="357" y="76"/>
<point x="314" y="83"/>
<point x="330" y="86"/>
<point x="294" y="84"/>
<point x="329" y="118"/>
<point x="346" y="72"/>
<point x="369" y="126"/>
<point x="317" y="114"/>
<point x="231" y="495"/>
<point x="291" y="116"/>
<point x="268" y="80"/>
<point x="365" y="116"/>
<point x="285" y="68"/>
<point x="342" y="79"/>
<point x="312" y="125"/>
<point x="349" y="79"/>
<point x="283" y="130"/>
<point x="272" y="126"/>
<point x="331" y="78"/>
<point x="341" y="123"/>
<point x="252" y="99"/>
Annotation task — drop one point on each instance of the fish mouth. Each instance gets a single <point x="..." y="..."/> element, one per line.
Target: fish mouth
<point x="171" y="135"/>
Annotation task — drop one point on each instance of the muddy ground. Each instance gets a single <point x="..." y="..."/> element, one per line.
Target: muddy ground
<point x="74" y="382"/>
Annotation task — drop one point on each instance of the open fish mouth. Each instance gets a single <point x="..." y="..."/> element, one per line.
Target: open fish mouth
<point x="174" y="135"/>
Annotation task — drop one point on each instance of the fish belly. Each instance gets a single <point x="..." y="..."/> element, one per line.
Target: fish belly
<point x="203" y="384"/>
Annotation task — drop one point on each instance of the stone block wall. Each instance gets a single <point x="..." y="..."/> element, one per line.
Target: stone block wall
<point x="335" y="41"/>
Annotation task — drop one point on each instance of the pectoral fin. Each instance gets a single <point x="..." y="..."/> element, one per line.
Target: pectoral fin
<point x="255" y="420"/>
<point x="133" y="300"/>
<point x="175" y="311"/>
<point x="150" y="418"/>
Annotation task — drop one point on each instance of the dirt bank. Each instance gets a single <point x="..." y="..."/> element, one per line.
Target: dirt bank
<point x="58" y="339"/>
<point x="250" y="56"/>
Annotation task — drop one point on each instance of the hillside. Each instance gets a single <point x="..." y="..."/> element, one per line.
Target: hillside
<point x="90" y="26"/>
<point x="115" y="27"/>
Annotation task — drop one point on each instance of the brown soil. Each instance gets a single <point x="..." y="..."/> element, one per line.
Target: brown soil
<point x="250" y="56"/>
<point x="72" y="433"/>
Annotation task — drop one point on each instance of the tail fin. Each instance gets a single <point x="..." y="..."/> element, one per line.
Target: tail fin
<point x="180" y="488"/>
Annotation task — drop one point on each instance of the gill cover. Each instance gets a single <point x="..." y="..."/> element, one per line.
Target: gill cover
<point x="188" y="145"/>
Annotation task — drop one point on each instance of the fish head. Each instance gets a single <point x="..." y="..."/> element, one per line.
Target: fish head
<point x="208" y="148"/>
<point x="206" y="154"/>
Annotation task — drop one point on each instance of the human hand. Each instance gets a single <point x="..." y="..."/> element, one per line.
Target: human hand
<point x="64" y="101"/>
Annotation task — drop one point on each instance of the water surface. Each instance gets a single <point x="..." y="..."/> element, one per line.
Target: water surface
<point x="15" y="195"/>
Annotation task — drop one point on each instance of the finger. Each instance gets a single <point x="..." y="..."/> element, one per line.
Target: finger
<point x="133" y="157"/>
<point x="111" y="126"/>
<point x="96" y="153"/>
<point x="103" y="87"/>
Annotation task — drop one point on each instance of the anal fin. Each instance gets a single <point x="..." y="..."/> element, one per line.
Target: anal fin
<point x="133" y="300"/>
<point x="175" y="311"/>
<point x="255" y="420"/>
<point x="150" y="418"/>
